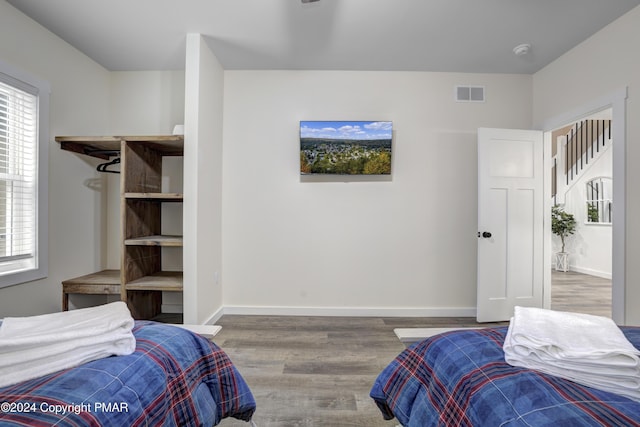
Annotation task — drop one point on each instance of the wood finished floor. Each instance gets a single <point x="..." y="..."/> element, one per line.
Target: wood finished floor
<point x="581" y="293"/>
<point x="317" y="371"/>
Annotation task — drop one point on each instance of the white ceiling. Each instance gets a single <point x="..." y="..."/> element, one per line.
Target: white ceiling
<point x="409" y="35"/>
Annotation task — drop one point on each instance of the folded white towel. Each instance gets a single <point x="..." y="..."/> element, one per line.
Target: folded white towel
<point x="34" y="346"/>
<point x="21" y="332"/>
<point x="590" y="350"/>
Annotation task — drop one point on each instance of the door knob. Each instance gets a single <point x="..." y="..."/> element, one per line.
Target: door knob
<point x="484" y="234"/>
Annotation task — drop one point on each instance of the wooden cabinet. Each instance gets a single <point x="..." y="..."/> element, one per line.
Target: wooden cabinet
<point x="142" y="277"/>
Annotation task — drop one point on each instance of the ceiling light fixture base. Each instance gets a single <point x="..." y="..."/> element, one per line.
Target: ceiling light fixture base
<point x="522" y="49"/>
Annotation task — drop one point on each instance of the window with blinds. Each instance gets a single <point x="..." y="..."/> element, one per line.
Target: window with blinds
<point x="20" y="254"/>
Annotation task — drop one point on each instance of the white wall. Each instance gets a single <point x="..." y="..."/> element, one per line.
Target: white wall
<point x="204" y="88"/>
<point x="590" y="246"/>
<point x="80" y="93"/>
<point x="146" y="102"/>
<point x="406" y="245"/>
<point x="603" y="64"/>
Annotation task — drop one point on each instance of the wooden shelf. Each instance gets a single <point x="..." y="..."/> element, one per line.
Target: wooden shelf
<point x="91" y="146"/>
<point x="167" y="281"/>
<point x="155" y="197"/>
<point x="157" y="240"/>
<point x="106" y="282"/>
<point x="104" y="277"/>
<point x="167" y="145"/>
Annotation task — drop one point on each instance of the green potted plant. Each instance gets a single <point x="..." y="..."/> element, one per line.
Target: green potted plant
<point x="563" y="224"/>
<point x="592" y="212"/>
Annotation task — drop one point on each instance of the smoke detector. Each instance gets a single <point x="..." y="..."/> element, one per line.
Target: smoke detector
<point x="522" y="49"/>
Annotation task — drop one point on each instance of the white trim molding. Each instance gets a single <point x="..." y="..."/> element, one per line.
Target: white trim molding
<point x="346" y="311"/>
<point x="617" y="102"/>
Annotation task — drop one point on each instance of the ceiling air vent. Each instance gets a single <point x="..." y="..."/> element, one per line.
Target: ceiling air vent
<point x="469" y="93"/>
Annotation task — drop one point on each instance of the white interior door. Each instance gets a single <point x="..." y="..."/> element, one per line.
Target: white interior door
<point x="510" y="222"/>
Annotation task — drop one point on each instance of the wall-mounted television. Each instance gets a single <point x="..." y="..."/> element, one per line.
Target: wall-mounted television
<point x="345" y="147"/>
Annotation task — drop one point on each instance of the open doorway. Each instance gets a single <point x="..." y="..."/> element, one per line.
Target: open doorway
<point x="617" y="101"/>
<point x="582" y="187"/>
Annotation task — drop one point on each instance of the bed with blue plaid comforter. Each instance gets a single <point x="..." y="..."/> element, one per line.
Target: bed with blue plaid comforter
<point x="174" y="378"/>
<point x="460" y="378"/>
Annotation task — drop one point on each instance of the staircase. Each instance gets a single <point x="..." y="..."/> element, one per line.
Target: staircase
<point x="578" y="147"/>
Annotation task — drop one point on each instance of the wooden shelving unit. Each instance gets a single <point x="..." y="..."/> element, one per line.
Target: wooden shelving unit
<point x="142" y="278"/>
<point x="105" y="282"/>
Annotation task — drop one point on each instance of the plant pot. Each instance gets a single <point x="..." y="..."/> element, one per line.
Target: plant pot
<point x="562" y="261"/>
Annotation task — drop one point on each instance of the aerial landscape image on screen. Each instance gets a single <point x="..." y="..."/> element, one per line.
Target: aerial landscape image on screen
<point x="345" y="147"/>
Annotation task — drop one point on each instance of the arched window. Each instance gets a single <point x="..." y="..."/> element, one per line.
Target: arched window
<point x="599" y="200"/>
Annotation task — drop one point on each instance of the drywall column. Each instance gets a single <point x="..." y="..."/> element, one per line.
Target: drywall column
<point x="202" y="252"/>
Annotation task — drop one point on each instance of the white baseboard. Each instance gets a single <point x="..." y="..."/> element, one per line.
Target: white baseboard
<point x="340" y="312"/>
<point x="591" y="272"/>
<point x="348" y="311"/>
<point x="215" y="317"/>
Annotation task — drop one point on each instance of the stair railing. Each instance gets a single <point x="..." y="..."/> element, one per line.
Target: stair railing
<point x="581" y="144"/>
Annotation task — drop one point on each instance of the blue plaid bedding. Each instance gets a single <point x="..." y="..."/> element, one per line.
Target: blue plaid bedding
<point x="174" y="378"/>
<point x="461" y="379"/>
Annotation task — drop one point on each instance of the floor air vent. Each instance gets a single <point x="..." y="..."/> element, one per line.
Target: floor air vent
<point x="469" y="93"/>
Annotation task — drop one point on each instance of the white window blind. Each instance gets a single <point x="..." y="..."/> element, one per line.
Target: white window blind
<point x="23" y="186"/>
<point x="18" y="174"/>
